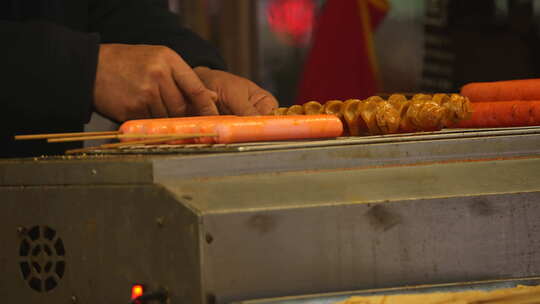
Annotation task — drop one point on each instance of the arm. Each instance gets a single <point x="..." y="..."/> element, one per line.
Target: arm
<point x="141" y="22"/>
<point x="47" y="74"/>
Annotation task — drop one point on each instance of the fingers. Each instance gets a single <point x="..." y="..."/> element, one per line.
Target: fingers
<point x="237" y="100"/>
<point x="157" y="109"/>
<point x="202" y="99"/>
<point x="263" y="101"/>
<point x="150" y="102"/>
<point x="223" y="108"/>
<point x="172" y="98"/>
<point x="266" y="104"/>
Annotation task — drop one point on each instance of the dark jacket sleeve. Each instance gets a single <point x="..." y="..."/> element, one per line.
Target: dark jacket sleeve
<point x="48" y="72"/>
<point x="47" y="77"/>
<point x="141" y="22"/>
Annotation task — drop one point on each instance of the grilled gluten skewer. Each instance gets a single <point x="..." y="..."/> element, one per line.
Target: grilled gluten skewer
<point x="375" y="115"/>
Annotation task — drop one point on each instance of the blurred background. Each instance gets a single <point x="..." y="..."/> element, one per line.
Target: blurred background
<point x="420" y="45"/>
<point x="417" y="45"/>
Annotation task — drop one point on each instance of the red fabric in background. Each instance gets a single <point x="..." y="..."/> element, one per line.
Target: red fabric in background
<point x="340" y="64"/>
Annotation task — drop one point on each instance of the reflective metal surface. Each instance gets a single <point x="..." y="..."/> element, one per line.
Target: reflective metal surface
<point x="456" y="287"/>
<point x="226" y="227"/>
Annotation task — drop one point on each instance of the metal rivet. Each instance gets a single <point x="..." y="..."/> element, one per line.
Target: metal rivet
<point x="94" y="171"/>
<point x="73" y="299"/>
<point x="160" y="221"/>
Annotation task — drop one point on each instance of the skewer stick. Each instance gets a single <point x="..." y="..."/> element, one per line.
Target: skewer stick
<point x="162" y="139"/>
<point x="82" y="150"/>
<point x="119" y="136"/>
<point x="81" y="138"/>
<point x="60" y="135"/>
<point x="157" y="140"/>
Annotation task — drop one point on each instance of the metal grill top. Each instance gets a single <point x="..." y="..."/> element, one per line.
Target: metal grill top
<point x="342" y="141"/>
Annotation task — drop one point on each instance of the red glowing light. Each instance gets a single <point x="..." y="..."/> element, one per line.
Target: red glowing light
<point x="136" y="291"/>
<point x="294" y="18"/>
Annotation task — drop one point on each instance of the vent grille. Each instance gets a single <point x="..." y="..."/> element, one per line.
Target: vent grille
<point x="42" y="258"/>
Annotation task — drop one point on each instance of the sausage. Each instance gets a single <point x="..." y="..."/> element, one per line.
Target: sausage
<point x="165" y="126"/>
<point x="233" y="129"/>
<point x="271" y="128"/>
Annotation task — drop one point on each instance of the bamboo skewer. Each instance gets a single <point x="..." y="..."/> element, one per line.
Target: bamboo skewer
<point x="120" y="136"/>
<point x="162" y="139"/>
<point x="156" y="140"/>
<point x="61" y="135"/>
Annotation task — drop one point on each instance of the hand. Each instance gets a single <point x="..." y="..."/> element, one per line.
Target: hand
<point x="237" y="95"/>
<point x="143" y="81"/>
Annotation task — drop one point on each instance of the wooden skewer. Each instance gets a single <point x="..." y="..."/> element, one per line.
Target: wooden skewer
<point x="157" y="140"/>
<point x="118" y="136"/>
<point x="162" y="139"/>
<point x="60" y="135"/>
<point x="82" y="138"/>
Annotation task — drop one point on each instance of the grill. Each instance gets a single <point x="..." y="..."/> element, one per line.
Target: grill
<point x="230" y="223"/>
<point x="345" y="141"/>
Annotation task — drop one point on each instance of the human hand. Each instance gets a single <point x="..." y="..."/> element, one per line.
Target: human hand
<point x="144" y="81"/>
<point x="237" y="95"/>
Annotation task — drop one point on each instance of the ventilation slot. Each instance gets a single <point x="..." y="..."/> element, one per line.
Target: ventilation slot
<point x="42" y="258"/>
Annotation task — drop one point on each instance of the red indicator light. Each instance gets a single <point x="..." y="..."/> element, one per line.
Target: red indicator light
<point x="136" y="291"/>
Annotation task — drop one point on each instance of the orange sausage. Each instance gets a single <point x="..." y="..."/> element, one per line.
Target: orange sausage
<point x="164" y="126"/>
<point x="233" y="129"/>
<point x="271" y="128"/>
<point x="526" y="89"/>
<point x="503" y="114"/>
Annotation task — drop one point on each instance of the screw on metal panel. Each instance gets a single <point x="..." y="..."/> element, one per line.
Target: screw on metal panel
<point x="160" y="221"/>
<point x="209" y="238"/>
<point x="73" y="299"/>
<point x="21" y="230"/>
<point x="94" y="171"/>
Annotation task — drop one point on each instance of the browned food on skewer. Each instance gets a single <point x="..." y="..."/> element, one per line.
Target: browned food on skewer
<point x="295" y="110"/>
<point x="388" y="118"/>
<point x="334" y="107"/>
<point x="431" y="116"/>
<point x="421" y="96"/>
<point x="425" y="115"/>
<point x="368" y="110"/>
<point x="375" y="99"/>
<point x="280" y="111"/>
<point x="352" y="117"/>
<point x="401" y="104"/>
<point x="375" y="115"/>
<point x="313" y="108"/>
<point x="459" y="108"/>
<point x="440" y="98"/>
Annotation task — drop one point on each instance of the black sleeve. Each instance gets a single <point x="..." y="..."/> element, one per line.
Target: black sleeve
<point x="47" y="77"/>
<point x="47" y="74"/>
<point x="142" y="22"/>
